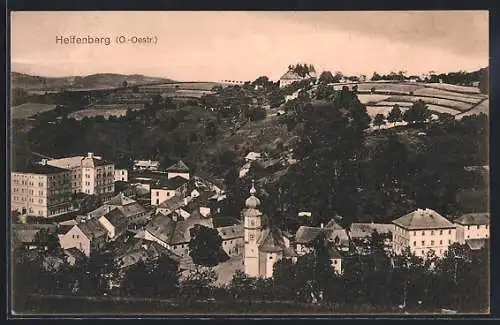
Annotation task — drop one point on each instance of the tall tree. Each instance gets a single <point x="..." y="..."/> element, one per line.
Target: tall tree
<point x="205" y="246"/>
<point x="379" y="120"/>
<point x="395" y="115"/>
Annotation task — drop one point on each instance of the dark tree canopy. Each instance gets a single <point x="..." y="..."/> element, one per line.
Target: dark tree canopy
<point x="205" y="246"/>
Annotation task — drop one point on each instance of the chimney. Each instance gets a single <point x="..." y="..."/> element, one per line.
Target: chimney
<point x="44" y="162"/>
<point x="90" y="155"/>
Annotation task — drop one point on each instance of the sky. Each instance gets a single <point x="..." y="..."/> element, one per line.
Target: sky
<point x="243" y="45"/>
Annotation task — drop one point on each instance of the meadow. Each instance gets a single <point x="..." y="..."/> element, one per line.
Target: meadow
<point x="28" y="110"/>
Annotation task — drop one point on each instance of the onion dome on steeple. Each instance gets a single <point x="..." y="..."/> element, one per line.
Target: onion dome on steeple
<point x="252" y="202"/>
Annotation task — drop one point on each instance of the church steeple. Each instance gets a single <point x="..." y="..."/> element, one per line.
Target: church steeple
<point x="252" y="202"/>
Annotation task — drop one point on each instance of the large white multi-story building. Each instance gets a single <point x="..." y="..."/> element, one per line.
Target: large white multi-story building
<point x="473" y="226"/>
<point x="89" y="174"/>
<point x="423" y="230"/>
<point x="41" y="190"/>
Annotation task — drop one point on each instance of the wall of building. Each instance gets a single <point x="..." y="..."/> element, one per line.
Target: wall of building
<point x="75" y="238"/>
<point x="233" y="246"/>
<point x="158" y="196"/>
<point x="121" y="175"/>
<point x="472" y="232"/>
<point x="108" y="226"/>
<point x="41" y="195"/>
<point x="421" y="242"/>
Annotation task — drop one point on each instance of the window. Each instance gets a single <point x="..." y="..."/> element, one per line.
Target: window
<point x="270" y="257"/>
<point x="449" y="232"/>
<point x="157" y="201"/>
<point x="252" y="222"/>
<point x="449" y="242"/>
<point x="486" y="226"/>
<point x="423" y="252"/>
<point x="414" y="243"/>
<point x="158" y="193"/>
<point x="423" y="233"/>
<point x="477" y="227"/>
<point x="252" y="236"/>
<point x="432" y="243"/>
<point x="432" y="232"/>
<point x="440" y="232"/>
<point x="423" y="242"/>
<point x="440" y="242"/>
<point x="468" y="227"/>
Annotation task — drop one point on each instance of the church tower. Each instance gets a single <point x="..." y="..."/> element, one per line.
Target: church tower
<point x="252" y="229"/>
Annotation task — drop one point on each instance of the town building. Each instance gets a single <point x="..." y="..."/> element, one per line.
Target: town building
<point x="179" y="169"/>
<point x="232" y="239"/>
<point x="32" y="236"/>
<point x="264" y="243"/>
<point x="131" y="210"/>
<point x="115" y="222"/>
<point x="121" y="175"/>
<point x="305" y="238"/>
<point x="90" y="174"/>
<point x="421" y="231"/>
<point x="87" y="236"/>
<point x="41" y="190"/>
<point x="166" y="189"/>
<point x="472" y="226"/>
<point x="151" y="165"/>
<point x="291" y="76"/>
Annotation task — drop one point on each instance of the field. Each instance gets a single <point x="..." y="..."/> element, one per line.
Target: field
<point x="455" y="88"/>
<point x="30" y="109"/>
<point x="434" y="101"/>
<point x="483" y="107"/>
<point x="433" y="92"/>
<point x="384" y="110"/>
<point x="391" y="87"/>
<point x="371" y="98"/>
<point x="105" y="110"/>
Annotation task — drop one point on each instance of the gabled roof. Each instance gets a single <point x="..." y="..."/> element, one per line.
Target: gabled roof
<point x="305" y="235"/>
<point x="171" y="184"/>
<point x="474" y="219"/>
<point x="120" y="199"/>
<point x="92" y="229"/>
<point x="291" y="75"/>
<point x="63" y="229"/>
<point x="271" y="240"/>
<point x="117" y="218"/>
<point x="181" y="233"/>
<point x="139" y="249"/>
<point x="67" y="162"/>
<point x="423" y="219"/>
<point x="173" y="203"/>
<point x="178" y="167"/>
<point x="161" y="227"/>
<point x="359" y="230"/>
<point x="230" y="232"/>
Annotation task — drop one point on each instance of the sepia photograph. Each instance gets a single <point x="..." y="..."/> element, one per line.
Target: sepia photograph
<point x="249" y="163"/>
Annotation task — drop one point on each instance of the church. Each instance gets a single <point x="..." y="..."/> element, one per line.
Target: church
<point x="264" y="243"/>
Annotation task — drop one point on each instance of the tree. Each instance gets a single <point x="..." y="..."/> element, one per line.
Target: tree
<point x="376" y="76"/>
<point x="326" y="77"/>
<point x="198" y="284"/>
<point x="125" y="84"/>
<point x="379" y="120"/>
<point x="418" y="113"/>
<point x="242" y="286"/>
<point x="395" y="115"/>
<point x="205" y="246"/>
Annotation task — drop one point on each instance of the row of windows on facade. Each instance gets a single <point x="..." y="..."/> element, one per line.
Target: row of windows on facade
<point x="431" y="243"/>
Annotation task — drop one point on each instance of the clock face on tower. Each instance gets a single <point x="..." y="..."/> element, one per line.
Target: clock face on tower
<point x="252" y="237"/>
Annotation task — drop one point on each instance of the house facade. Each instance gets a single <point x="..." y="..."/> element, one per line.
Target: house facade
<point x="121" y="175"/>
<point x="421" y="231"/>
<point x="472" y="226"/>
<point x="89" y="174"/>
<point x="87" y="236"/>
<point x="232" y="239"/>
<point x="162" y="191"/>
<point x="41" y="190"/>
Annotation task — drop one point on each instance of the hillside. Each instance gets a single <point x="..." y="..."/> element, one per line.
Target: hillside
<point x="94" y="81"/>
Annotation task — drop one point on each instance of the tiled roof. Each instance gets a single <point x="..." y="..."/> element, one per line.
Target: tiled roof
<point x="161" y="227"/>
<point x="230" y="232"/>
<point x="94" y="162"/>
<point x="291" y="75"/>
<point x="359" y="230"/>
<point x="173" y="203"/>
<point x="271" y="240"/>
<point x="68" y="162"/>
<point x="63" y="229"/>
<point x="181" y="233"/>
<point x="171" y="184"/>
<point x="474" y="219"/>
<point x="179" y="167"/>
<point x="138" y="249"/>
<point x="39" y="169"/>
<point x="117" y="218"/>
<point x="423" y="219"/>
<point x="476" y="243"/>
<point x="92" y="229"/>
<point x="120" y="199"/>
<point x="306" y="234"/>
